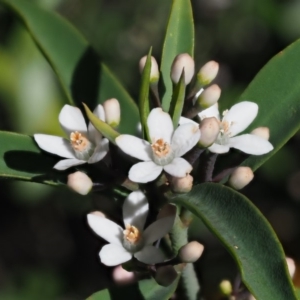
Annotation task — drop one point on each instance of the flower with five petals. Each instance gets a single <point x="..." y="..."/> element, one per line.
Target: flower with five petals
<point x="165" y="151"/>
<point x="86" y="144"/>
<point x="133" y="240"/>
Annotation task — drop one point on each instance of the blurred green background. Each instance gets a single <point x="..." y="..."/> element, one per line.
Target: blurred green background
<point x="47" y="250"/>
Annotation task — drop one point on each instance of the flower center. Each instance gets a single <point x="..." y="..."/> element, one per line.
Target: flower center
<point x="82" y="147"/>
<point x="225" y="134"/>
<point x="131" y="234"/>
<point x="162" y="152"/>
<point x="132" y="239"/>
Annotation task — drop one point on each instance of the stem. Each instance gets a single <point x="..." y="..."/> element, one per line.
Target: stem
<point x="189" y="282"/>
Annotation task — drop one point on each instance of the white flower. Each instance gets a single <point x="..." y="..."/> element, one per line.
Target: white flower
<point x="234" y="121"/>
<point x="86" y="144"/>
<point x="133" y="241"/>
<point x="164" y="152"/>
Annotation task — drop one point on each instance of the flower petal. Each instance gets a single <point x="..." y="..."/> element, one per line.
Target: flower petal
<point x="212" y="111"/>
<point x="150" y="255"/>
<point x="158" y="229"/>
<point x="160" y="125"/>
<point x="135" y="209"/>
<point x="184" y="120"/>
<point x="134" y="146"/>
<point x="105" y="228"/>
<point x="241" y="115"/>
<point x="217" y="148"/>
<point x="112" y="255"/>
<point x="68" y="163"/>
<point x="179" y="167"/>
<point x="55" y="145"/>
<point x="185" y="138"/>
<point x="144" y="172"/>
<point x="94" y="135"/>
<point x="99" y="152"/>
<point x="251" y="144"/>
<point x="71" y="119"/>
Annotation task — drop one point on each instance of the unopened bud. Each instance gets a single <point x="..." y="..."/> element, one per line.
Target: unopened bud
<point x="210" y="129"/>
<point x="240" y="177"/>
<point x="225" y="287"/>
<point x="112" y="112"/>
<point x="98" y="214"/>
<point x="122" y="277"/>
<point x="80" y="183"/>
<point x="165" y="275"/>
<point x="208" y="73"/>
<point x="209" y="96"/>
<point x="291" y="266"/>
<point x="183" y="62"/>
<point x="182" y="184"/>
<point x="191" y="252"/>
<point x="154" y="73"/>
<point x="263" y="132"/>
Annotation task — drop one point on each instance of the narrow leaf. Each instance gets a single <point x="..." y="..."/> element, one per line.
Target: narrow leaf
<point x="179" y="39"/>
<point x="101" y="126"/>
<point x="246" y="234"/>
<point x="79" y="69"/>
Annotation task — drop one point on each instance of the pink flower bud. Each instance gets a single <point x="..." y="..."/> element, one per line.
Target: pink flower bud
<point x="191" y="252"/>
<point x="208" y="73"/>
<point x="80" y="183"/>
<point x="209" y="96"/>
<point x="210" y="129"/>
<point x="112" y="112"/>
<point x="263" y="132"/>
<point x="122" y="277"/>
<point x="154" y="73"/>
<point x="183" y="62"/>
<point x="182" y="185"/>
<point x="240" y="177"/>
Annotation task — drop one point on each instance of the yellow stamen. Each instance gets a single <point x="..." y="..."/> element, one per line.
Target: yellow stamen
<point x="160" y="148"/>
<point x="78" y="141"/>
<point x="132" y="234"/>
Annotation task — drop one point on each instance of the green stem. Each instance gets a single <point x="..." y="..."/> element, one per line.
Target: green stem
<point x="190" y="282"/>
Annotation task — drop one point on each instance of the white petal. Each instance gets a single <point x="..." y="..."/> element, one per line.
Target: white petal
<point x="105" y="228"/>
<point x="68" y="163"/>
<point x="71" y="119"/>
<point x="185" y="138"/>
<point x="134" y="146"/>
<point x="55" y="145"/>
<point x="94" y="135"/>
<point x="241" y="115"/>
<point x="144" y="172"/>
<point x="184" y="120"/>
<point x="158" y="229"/>
<point x="212" y="111"/>
<point x="179" y="167"/>
<point x="112" y="255"/>
<point x="251" y="144"/>
<point x="150" y="255"/>
<point x="135" y="209"/>
<point x="160" y="125"/>
<point x="99" y="152"/>
<point x="217" y="148"/>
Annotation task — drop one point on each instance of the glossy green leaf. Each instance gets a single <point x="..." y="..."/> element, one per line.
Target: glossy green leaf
<point x="144" y="104"/>
<point x="276" y="90"/>
<point x="146" y="289"/>
<point x="179" y="39"/>
<point x="246" y="234"/>
<point x="177" y="102"/>
<point x="21" y="158"/>
<point x="103" y="127"/>
<point x="78" y="67"/>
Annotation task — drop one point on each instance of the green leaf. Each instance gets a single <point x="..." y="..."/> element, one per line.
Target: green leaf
<point x="21" y="158"/>
<point x="246" y="234"/>
<point x="276" y="90"/>
<point x="177" y="102"/>
<point x="146" y="289"/>
<point x="80" y="72"/>
<point x="144" y="104"/>
<point x="179" y="39"/>
<point x="101" y="126"/>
